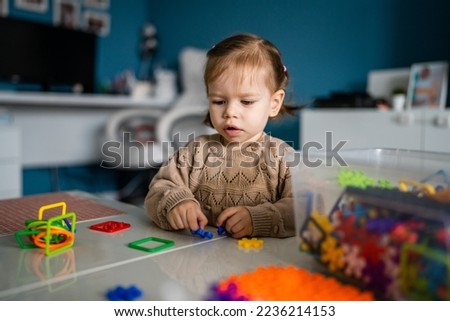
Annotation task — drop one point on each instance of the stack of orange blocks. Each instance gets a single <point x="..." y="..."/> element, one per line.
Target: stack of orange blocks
<point x="286" y="283"/>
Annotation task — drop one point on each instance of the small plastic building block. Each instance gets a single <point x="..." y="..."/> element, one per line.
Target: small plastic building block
<point x="285" y="283"/>
<point x="124" y="294"/>
<point x="252" y="243"/>
<point x="332" y="254"/>
<point x="110" y="226"/>
<point x="355" y="264"/>
<point x="442" y="195"/>
<point x="312" y="234"/>
<point x="42" y="209"/>
<point x="53" y="235"/>
<point x="202" y="233"/>
<point x="164" y="244"/>
<point x="68" y="235"/>
<point x="221" y="230"/>
<point x="348" y="177"/>
<point x="416" y="186"/>
<point x="20" y="236"/>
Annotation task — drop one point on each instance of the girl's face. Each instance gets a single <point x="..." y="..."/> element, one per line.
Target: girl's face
<point x="240" y="104"/>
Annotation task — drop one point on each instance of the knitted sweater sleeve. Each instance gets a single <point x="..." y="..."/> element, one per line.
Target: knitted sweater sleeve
<point x="169" y="187"/>
<point x="276" y="219"/>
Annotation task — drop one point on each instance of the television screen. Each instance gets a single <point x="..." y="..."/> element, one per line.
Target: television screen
<point x="49" y="56"/>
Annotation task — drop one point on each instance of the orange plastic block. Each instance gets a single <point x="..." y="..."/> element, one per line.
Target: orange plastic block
<point x="289" y="283"/>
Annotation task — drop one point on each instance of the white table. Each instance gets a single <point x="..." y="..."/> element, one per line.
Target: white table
<point x="101" y="261"/>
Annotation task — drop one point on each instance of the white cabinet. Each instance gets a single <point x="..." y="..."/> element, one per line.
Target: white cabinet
<point x="436" y="132"/>
<point x="60" y="129"/>
<point x="10" y="165"/>
<point x="427" y="130"/>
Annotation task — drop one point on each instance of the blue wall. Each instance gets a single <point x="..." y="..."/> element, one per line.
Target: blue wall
<point x="327" y="45"/>
<point x="119" y="50"/>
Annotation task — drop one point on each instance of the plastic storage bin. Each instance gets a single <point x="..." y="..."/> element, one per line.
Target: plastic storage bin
<point x="378" y="218"/>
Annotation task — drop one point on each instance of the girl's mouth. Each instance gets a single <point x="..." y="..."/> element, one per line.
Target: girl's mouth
<point x="232" y="131"/>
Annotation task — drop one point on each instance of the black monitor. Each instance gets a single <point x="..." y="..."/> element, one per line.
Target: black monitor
<point x="52" y="57"/>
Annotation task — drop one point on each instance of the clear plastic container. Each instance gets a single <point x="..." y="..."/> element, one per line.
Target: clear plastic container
<point x="379" y="218"/>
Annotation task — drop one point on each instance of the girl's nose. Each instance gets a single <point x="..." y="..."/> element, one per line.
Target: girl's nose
<point x="230" y="110"/>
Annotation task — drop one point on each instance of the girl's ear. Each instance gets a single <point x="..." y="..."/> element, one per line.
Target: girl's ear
<point x="277" y="102"/>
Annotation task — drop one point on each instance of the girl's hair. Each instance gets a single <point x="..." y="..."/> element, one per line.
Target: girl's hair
<point x="244" y="52"/>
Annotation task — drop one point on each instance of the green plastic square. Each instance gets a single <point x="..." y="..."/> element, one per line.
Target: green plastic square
<point x="19" y="235"/>
<point x="164" y="244"/>
<point x="54" y="221"/>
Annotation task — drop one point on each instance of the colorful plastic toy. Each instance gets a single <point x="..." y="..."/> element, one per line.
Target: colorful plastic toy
<point x="124" y="294"/>
<point x="164" y="244"/>
<point x="202" y="233"/>
<point x="285" y="283"/>
<point x="250" y="244"/>
<point x="348" y="177"/>
<point x="392" y="241"/>
<point x="53" y="235"/>
<point x="419" y="187"/>
<point x="221" y="230"/>
<point x="110" y="226"/>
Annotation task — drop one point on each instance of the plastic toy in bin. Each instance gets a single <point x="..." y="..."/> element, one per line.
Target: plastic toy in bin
<point x="381" y="222"/>
<point x="284" y="283"/>
<point x="54" y="235"/>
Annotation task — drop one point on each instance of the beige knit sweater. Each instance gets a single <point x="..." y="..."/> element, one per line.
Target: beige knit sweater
<point x="217" y="177"/>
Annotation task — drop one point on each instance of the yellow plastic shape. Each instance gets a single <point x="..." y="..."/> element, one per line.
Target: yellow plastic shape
<point x="421" y="187"/>
<point x="252" y="243"/>
<point x="44" y="208"/>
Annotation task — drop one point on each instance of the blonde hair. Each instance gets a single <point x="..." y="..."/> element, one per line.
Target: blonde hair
<point x="243" y="52"/>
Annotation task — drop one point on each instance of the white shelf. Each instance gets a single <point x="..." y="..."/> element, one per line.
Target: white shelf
<point x="11" y="98"/>
<point x="60" y="129"/>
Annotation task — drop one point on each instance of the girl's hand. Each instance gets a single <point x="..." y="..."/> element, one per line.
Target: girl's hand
<point x="237" y="221"/>
<point x="187" y="214"/>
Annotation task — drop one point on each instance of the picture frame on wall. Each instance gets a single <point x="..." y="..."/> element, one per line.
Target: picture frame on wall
<point x="40" y="6"/>
<point x="427" y="87"/>
<point x="96" y="22"/>
<point x="99" y="4"/>
<point x="3" y="8"/>
<point x="66" y="13"/>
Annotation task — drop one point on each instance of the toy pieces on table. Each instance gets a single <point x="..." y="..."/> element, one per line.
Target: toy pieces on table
<point x="285" y="283"/>
<point x="164" y="244"/>
<point x="221" y="230"/>
<point x="124" y="294"/>
<point x="55" y="234"/>
<point x="202" y="233"/>
<point x="110" y="226"/>
<point x="250" y="244"/>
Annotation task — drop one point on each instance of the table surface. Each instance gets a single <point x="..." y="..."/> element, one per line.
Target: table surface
<point x="101" y="261"/>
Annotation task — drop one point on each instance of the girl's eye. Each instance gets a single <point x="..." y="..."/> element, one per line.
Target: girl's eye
<point x="247" y="102"/>
<point x="218" y="102"/>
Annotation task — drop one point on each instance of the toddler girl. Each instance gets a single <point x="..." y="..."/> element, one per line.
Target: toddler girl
<point x="237" y="178"/>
